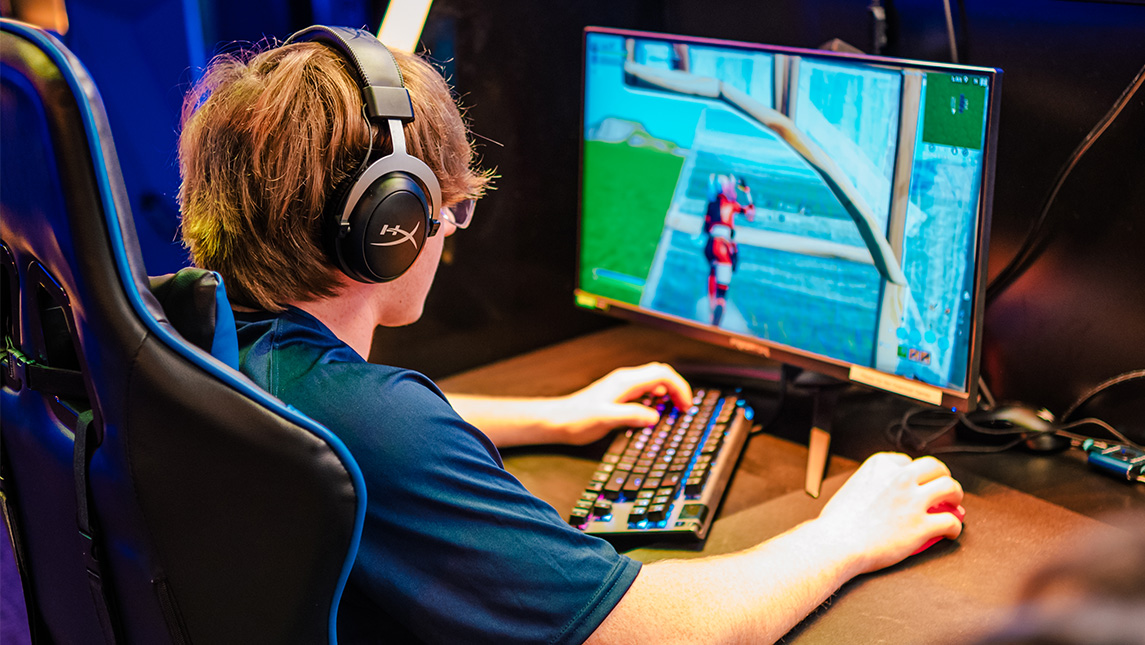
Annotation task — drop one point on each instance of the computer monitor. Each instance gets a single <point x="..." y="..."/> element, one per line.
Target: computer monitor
<point x="826" y="210"/>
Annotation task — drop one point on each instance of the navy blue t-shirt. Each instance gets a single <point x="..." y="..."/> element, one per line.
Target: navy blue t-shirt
<point x="454" y="549"/>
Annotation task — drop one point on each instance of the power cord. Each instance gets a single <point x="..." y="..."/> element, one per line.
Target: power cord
<point x="1101" y="387"/>
<point x="1029" y="249"/>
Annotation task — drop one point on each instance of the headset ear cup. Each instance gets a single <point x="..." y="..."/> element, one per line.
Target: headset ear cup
<point x="395" y="192"/>
<point x="387" y="229"/>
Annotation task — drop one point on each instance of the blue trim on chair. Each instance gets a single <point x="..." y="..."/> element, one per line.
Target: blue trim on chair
<point x="52" y="48"/>
<point x="225" y="345"/>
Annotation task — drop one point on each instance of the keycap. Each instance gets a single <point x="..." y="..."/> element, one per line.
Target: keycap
<point x="615" y="484"/>
<point x="694" y="486"/>
<point x="657" y="512"/>
<point x="637" y="514"/>
<point x="578" y="517"/>
<point x="633" y="484"/>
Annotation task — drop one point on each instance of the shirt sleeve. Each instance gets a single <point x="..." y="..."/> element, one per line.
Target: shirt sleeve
<point x="454" y="547"/>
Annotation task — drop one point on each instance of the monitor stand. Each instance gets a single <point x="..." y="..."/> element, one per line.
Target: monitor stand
<point x="824" y="394"/>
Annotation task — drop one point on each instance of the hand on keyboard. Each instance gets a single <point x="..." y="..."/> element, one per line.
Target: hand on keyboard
<point x="613" y="401"/>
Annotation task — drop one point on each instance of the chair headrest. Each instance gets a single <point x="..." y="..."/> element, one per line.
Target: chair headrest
<point x="195" y="303"/>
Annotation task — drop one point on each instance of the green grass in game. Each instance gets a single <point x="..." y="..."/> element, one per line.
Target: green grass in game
<point x="627" y="191"/>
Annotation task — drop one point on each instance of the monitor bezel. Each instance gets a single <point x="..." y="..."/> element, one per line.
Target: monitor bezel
<point x="954" y="399"/>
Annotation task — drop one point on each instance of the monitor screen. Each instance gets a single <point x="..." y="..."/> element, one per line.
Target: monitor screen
<point x="822" y="209"/>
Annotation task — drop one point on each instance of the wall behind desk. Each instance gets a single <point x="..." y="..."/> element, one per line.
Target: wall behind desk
<point x="1076" y="318"/>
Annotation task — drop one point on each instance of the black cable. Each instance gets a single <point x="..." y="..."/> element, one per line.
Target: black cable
<point x="945" y="420"/>
<point x="920" y="427"/>
<point x="1099" y="423"/>
<point x="904" y="433"/>
<point x="1099" y="388"/>
<point x="964" y="36"/>
<point x="1029" y="249"/>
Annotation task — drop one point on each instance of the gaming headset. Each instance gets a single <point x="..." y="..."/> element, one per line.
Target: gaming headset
<point x="379" y="224"/>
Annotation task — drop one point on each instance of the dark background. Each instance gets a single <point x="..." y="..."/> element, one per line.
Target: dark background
<point x="1073" y="320"/>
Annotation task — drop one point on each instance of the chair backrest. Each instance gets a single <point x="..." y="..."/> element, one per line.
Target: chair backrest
<point x="216" y="513"/>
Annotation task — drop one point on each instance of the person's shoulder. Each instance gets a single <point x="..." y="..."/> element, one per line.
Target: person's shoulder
<point x="292" y="328"/>
<point x="278" y="349"/>
<point x="392" y="387"/>
<point x="393" y="416"/>
<point x="373" y="406"/>
<point x="294" y="356"/>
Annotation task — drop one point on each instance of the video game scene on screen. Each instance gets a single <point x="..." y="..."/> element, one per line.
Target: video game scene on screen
<point x="821" y="204"/>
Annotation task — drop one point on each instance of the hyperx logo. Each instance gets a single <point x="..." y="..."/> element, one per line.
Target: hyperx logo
<point x="397" y="231"/>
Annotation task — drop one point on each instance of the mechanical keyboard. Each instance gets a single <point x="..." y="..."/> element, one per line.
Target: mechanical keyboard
<point x="667" y="479"/>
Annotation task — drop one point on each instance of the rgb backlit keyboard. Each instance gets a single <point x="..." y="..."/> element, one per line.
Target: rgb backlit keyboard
<point x="667" y="478"/>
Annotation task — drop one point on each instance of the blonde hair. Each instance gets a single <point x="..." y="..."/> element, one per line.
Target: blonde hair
<point x="267" y="140"/>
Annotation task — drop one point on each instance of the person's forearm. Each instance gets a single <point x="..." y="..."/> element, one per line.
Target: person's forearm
<point x="510" y="421"/>
<point x="581" y="417"/>
<point x="754" y="596"/>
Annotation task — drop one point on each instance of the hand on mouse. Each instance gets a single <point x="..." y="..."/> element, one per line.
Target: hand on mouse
<point x="882" y="513"/>
<point x="943" y="507"/>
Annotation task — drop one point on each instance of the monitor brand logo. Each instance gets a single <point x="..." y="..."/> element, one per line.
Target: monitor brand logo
<point x="397" y="231"/>
<point x="746" y="346"/>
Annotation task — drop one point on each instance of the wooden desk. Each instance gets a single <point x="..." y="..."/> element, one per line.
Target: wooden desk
<point x="954" y="592"/>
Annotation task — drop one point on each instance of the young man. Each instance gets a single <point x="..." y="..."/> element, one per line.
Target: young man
<point x="454" y="548"/>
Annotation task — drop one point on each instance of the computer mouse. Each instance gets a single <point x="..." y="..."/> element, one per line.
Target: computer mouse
<point x="1039" y="424"/>
<point x="944" y="507"/>
<point x="1046" y="442"/>
<point x="1021" y="417"/>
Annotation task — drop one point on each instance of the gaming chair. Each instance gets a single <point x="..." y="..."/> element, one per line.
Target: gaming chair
<point x="153" y="494"/>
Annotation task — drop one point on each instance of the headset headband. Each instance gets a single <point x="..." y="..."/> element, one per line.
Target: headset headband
<point x="383" y="92"/>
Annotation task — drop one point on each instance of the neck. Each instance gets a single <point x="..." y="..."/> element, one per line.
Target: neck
<point x="350" y="315"/>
